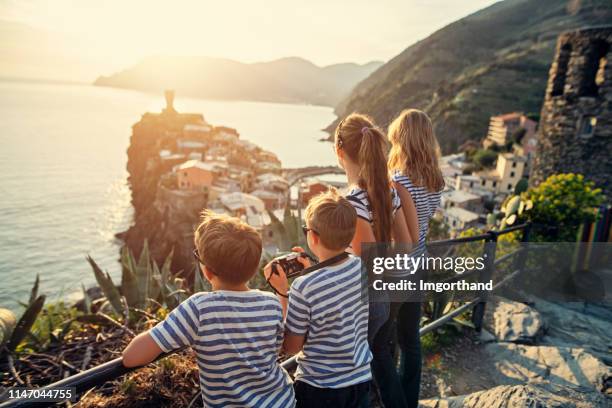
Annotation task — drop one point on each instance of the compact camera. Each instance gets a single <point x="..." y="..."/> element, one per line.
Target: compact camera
<point x="290" y="262"/>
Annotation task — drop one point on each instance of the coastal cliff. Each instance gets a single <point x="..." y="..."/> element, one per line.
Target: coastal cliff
<point x="166" y="207"/>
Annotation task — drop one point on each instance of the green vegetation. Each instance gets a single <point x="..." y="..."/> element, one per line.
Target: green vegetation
<point x="12" y="331"/>
<point x="483" y="158"/>
<point x="561" y="204"/>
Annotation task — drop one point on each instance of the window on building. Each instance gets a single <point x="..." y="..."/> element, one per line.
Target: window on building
<point x="483" y="182"/>
<point x="454" y="223"/>
<point x="509" y="187"/>
<point x="513" y="164"/>
<point x="471" y="184"/>
<point x="594" y="67"/>
<point x="565" y="53"/>
<point x="511" y="174"/>
<point x="586" y="126"/>
<point x="495" y="184"/>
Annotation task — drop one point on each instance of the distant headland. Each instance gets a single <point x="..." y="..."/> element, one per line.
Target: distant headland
<point x="286" y="80"/>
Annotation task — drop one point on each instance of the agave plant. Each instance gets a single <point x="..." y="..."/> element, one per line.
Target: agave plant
<point x="13" y="331"/>
<point x="511" y="210"/>
<point x="143" y="284"/>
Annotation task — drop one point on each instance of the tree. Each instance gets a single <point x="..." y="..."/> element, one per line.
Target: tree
<point x="484" y="158"/>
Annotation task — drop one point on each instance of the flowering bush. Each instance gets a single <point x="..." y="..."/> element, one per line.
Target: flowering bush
<point x="560" y="204"/>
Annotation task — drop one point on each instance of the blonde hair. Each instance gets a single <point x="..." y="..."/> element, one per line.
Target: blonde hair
<point x="366" y="145"/>
<point x="228" y="247"/>
<point x="415" y="149"/>
<point x="332" y="218"/>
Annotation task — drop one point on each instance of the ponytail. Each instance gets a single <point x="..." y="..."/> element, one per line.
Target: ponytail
<point x="367" y="146"/>
<point x="375" y="178"/>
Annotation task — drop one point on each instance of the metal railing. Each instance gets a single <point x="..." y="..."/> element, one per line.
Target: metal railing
<point x="113" y="369"/>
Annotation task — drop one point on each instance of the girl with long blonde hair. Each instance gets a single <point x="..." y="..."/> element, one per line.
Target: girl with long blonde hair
<point x="413" y="162"/>
<point x="361" y="148"/>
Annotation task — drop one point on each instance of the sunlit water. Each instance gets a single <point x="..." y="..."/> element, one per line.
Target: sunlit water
<point x="63" y="191"/>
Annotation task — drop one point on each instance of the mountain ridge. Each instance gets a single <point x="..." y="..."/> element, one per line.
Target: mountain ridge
<point x="493" y="61"/>
<point x="286" y="80"/>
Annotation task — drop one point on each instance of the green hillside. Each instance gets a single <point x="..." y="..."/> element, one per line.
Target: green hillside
<point x="493" y="61"/>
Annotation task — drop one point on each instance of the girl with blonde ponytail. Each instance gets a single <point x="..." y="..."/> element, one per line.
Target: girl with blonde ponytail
<point x="361" y="149"/>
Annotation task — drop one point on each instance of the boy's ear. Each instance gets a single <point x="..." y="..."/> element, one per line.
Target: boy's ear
<point x="207" y="274"/>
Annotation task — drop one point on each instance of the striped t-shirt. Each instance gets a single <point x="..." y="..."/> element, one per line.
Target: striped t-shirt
<point x="426" y="203"/>
<point x="327" y="307"/>
<point x="358" y="197"/>
<point x="236" y="336"/>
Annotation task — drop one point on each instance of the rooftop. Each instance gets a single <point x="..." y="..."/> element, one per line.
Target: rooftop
<point x="459" y="196"/>
<point x="196" y="164"/>
<point x="462" y="214"/>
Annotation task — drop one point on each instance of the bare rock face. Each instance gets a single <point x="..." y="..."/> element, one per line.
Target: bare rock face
<point x="567" y="367"/>
<point x="578" y="325"/>
<point x="516" y="322"/>
<point x="521" y="396"/>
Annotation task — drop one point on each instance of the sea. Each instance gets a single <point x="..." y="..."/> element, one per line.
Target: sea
<point x="63" y="178"/>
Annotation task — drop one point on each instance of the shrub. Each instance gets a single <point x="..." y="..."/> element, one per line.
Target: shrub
<point x="560" y="204"/>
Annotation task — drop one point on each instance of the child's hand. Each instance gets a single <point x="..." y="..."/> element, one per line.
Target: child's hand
<point x="304" y="260"/>
<point x="277" y="277"/>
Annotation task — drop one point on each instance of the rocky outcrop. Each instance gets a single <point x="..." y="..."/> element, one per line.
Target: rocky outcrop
<point x="542" y="355"/>
<point x="517" y="322"/>
<point x="521" y="396"/>
<point x="564" y="366"/>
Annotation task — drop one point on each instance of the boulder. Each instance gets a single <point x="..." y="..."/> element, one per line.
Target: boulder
<point x="516" y="322"/>
<point x="578" y="324"/>
<point x="567" y="367"/>
<point x="521" y="396"/>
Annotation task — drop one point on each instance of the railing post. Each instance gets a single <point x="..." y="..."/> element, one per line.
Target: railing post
<point x="485" y="275"/>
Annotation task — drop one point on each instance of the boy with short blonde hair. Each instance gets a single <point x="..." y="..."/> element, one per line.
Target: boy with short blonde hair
<point x="326" y="314"/>
<point x="236" y="332"/>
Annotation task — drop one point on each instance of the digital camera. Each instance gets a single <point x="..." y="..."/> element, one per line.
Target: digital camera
<point x="290" y="262"/>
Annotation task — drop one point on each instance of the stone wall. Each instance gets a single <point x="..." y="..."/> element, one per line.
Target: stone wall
<point x="575" y="132"/>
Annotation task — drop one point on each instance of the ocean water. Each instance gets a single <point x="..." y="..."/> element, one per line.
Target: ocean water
<point x="63" y="189"/>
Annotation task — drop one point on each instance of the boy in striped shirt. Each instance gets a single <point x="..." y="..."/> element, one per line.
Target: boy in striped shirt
<point x="235" y="332"/>
<point x="326" y="314"/>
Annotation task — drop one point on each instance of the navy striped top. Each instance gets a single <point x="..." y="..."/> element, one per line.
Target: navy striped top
<point x="327" y="306"/>
<point x="236" y="336"/>
<point x="426" y="203"/>
<point x="358" y="197"/>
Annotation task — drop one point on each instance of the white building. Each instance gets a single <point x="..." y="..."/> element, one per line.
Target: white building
<point x="458" y="218"/>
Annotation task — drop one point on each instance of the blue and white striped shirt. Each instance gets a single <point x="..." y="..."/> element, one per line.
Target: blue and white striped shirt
<point x="236" y="336"/>
<point x="327" y="306"/>
<point x="425" y="201"/>
<point x="358" y="197"/>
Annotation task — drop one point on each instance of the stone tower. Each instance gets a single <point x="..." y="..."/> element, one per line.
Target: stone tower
<point x="575" y="134"/>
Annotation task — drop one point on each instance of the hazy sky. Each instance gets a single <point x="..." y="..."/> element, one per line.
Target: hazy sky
<point x="80" y="39"/>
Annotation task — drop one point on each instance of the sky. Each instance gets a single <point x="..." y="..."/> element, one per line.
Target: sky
<point x="81" y="39"/>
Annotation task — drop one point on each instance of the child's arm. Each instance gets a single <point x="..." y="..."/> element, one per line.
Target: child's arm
<point x="280" y="284"/>
<point x="293" y="343"/>
<point x="141" y="350"/>
<point x="297" y="322"/>
<point x="363" y="233"/>
<point x="178" y="329"/>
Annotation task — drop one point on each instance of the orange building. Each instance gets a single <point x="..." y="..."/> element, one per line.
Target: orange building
<point x="311" y="189"/>
<point x="195" y="175"/>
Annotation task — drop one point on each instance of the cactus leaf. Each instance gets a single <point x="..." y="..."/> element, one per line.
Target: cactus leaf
<point x="521" y="207"/>
<point x="108" y="287"/>
<point x="513" y="205"/>
<point x="511" y="219"/>
<point x="86" y="300"/>
<point x="25" y="322"/>
<point x="34" y="291"/>
<point x="129" y="287"/>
